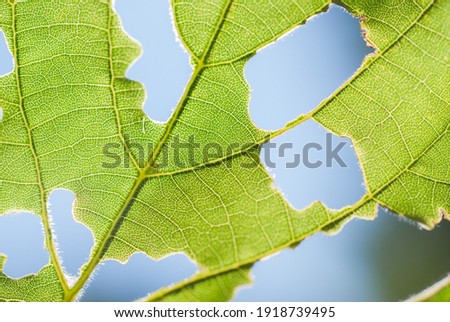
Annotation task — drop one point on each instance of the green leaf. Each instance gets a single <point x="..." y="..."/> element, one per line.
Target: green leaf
<point x="439" y="292"/>
<point x="68" y="99"/>
<point x="396" y="108"/>
<point x="41" y="287"/>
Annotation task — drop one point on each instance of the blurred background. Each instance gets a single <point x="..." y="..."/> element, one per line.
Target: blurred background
<point x="387" y="259"/>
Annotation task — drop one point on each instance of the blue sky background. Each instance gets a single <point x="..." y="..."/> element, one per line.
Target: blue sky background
<point x="383" y="260"/>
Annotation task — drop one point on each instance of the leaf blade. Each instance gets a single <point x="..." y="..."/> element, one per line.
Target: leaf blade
<point x="224" y="215"/>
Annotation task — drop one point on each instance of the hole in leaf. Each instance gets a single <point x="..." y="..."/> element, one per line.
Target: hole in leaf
<point x="164" y="66"/>
<point x="288" y="79"/>
<point x="1" y="113"/>
<point x="141" y="275"/>
<point x="295" y="74"/>
<point x="309" y="163"/>
<point x="22" y="241"/>
<point x="293" y="77"/>
<point x="6" y="58"/>
<point x="383" y="260"/>
<point x="319" y="269"/>
<point x="74" y="239"/>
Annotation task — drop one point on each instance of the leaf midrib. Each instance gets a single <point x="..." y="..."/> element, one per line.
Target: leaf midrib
<point x="142" y="178"/>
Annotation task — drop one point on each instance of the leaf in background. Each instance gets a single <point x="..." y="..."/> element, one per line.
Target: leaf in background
<point x="439" y="292"/>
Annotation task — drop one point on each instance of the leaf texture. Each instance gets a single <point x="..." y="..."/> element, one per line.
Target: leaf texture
<point x="68" y="98"/>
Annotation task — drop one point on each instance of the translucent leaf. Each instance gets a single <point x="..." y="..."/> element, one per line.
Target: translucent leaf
<point x="69" y="114"/>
